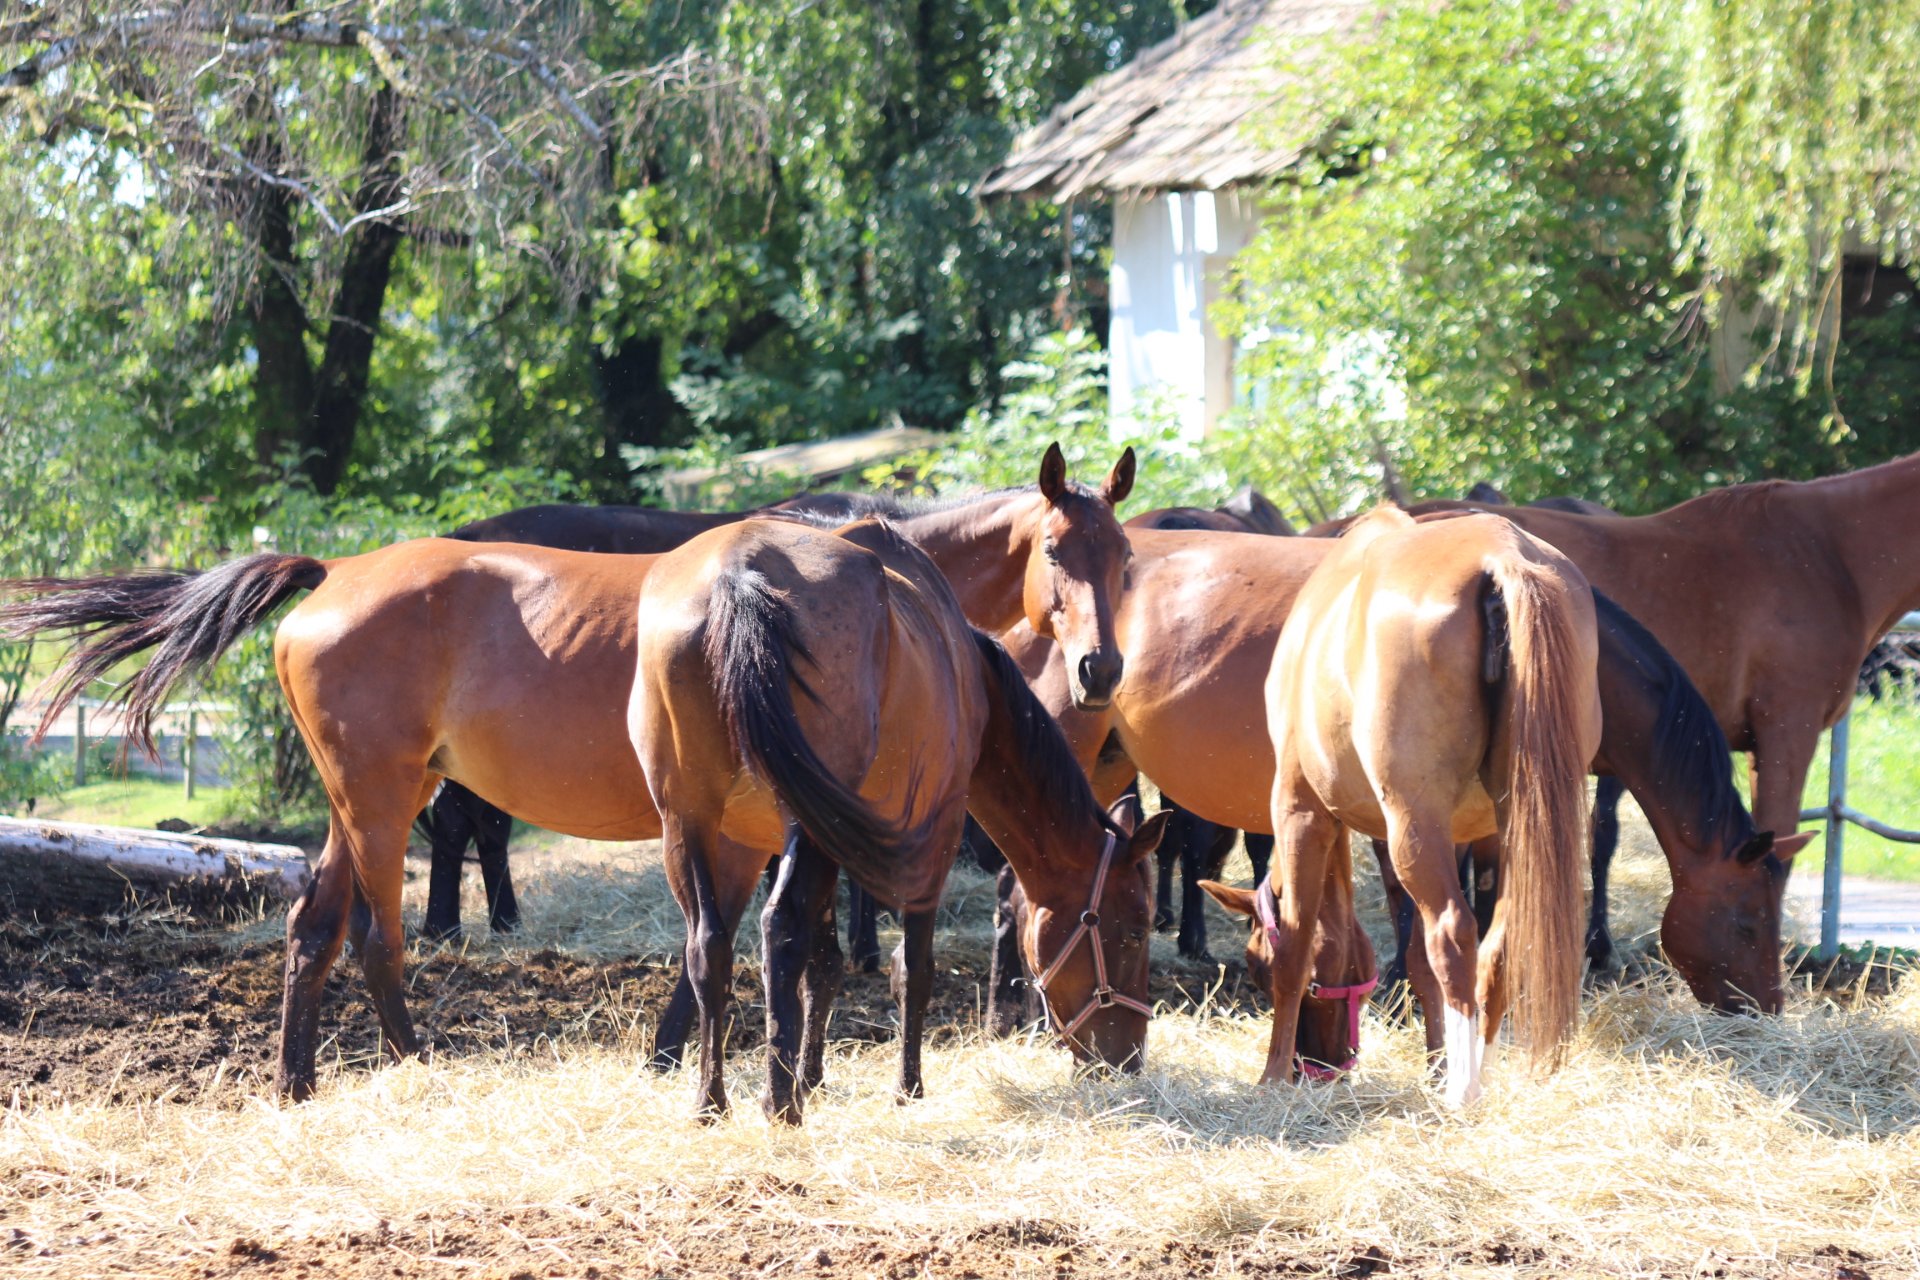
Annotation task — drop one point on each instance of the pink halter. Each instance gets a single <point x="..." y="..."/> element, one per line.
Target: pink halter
<point x="1103" y="995"/>
<point x="1267" y="908"/>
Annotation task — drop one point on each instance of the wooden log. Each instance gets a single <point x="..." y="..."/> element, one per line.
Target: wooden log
<point x="79" y="867"/>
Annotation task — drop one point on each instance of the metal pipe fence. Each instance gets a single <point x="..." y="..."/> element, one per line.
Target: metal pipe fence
<point x="1837" y="813"/>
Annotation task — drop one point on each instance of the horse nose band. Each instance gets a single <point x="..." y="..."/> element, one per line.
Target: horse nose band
<point x="1267" y="908"/>
<point x="1103" y="996"/>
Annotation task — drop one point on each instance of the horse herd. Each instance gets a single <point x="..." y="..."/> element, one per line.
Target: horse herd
<point x="838" y="682"/>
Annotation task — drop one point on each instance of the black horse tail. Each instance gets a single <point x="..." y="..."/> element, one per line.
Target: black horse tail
<point x="753" y="645"/>
<point x="188" y="619"/>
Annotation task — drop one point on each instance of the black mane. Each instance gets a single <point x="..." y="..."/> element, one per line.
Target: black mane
<point x="1045" y="756"/>
<point x="1689" y="750"/>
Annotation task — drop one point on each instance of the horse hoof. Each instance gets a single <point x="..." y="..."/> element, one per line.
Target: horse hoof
<point x="777" y="1112"/>
<point x="910" y="1093"/>
<point x="506" y="926"/>
<point x="664" y="1060"/>
<point x="442" y="934"/>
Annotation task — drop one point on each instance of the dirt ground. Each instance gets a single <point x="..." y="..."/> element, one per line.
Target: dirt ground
<point x="158" y="1004"/>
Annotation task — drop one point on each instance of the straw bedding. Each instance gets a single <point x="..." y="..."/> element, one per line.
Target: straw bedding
<point x="1673" y="1142"/>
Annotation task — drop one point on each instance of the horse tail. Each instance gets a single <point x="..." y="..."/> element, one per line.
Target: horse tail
<point x="1531" y="613"/>
<point x="189" y="620"/>
<point x="753" y="645"/>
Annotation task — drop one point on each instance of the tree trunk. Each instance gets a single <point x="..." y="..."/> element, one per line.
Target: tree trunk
<point x="341" y="388"/>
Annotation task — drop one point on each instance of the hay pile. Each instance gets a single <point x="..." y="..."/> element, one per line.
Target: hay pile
<point x="1673" y="1142"/>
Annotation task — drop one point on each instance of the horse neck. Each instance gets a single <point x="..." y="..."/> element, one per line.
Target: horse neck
<point x="1049" y="834"/>
<point x="982" y="549"/>
<point x="1869" y="516"/>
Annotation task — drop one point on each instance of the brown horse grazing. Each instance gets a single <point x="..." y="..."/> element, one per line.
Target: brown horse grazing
<point x="1436" y="683"/>
<point x="904" y="718"/>
<point x="504" y="667"/>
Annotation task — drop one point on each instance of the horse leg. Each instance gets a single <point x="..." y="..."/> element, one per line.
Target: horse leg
<point x="1483" y="872"/>
<point x="492" y="829"/>
<point x="1259" y="852"/>
<point x="1606" y="837"/>
<point x="1423" y="855"/>
<point x="786" y="937"/>
<point x="709" y="961"/>
<point x="380" y="864"/>
<point x="1778" y="773"/>
<point x="316" y="925"/>
<point x="863" y="928"/>
<point x="912" y="983"/>
<point x="1303" y="843"/>
<point x="449" y="828"/>
<point x="819" y="988"/>
<point x="677" y="1019"/>
<point x="1005" y="1002"/>
<point x="1394" y="980"/>
<point x="1494" y="987"/>
<point x="1164" y="859"/>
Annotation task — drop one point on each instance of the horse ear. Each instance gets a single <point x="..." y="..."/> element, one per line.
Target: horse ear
<point x="1758" y="846"/>
<point x="1146" y="837"/>
<point x="1126" y="811"/>
<point x="1119" y="480"/>
<point x="1238" y="901"/>
<point x="1784" y="847"/>
<point x="1053" y="474"/>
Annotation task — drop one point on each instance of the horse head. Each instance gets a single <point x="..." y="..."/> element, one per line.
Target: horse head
<point x="1089" y="944"/>
<point x="1344" y="971"/>
<point x="1721" y="930"/>
<point x="1076" y="566"/>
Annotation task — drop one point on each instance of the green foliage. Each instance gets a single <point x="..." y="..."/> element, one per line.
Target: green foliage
<point x="1883" y="781"/>
<point x="1799" y="127"/>
<point x="1474" y="275"/>
<point x="1058" y="394"/>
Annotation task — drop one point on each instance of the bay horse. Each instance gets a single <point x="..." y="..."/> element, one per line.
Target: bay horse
<point x="1200" y="620"/>
<point x="457" y="817"/>
<point x="502" y="666"/>
<point x="1043" y="555"/>
<point x="822" y="693"/>
<point x="1436" y="683"/>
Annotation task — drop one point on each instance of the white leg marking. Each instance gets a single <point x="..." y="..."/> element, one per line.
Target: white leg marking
<point x="1464" y="1048"/>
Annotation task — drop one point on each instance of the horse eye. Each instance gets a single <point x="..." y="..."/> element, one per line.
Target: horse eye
<point x="1051" y="552"/>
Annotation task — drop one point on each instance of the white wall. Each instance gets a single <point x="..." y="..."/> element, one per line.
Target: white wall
<point x="1170" y="257"/>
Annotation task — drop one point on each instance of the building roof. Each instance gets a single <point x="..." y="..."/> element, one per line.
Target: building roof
<point x="1175" y="118"/>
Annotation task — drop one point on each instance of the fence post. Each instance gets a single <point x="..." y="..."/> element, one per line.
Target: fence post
<point x="193" y="744"/>
<point x="1836" y="837"/>
<point x="79" y="744"/>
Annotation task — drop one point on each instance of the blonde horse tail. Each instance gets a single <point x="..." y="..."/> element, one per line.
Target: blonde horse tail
<point x="1545" y="828"/>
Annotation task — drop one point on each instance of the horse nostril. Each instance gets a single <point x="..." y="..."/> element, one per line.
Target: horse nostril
<point x="1099" y="673"/>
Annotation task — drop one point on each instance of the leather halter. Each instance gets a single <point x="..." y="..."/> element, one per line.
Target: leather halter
<point x="1103" y="996"/>
<point x="1267" y="908"/>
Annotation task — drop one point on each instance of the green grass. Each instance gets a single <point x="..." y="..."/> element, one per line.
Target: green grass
<point x="135" y="802"/>
<point x="1883" y="781"/>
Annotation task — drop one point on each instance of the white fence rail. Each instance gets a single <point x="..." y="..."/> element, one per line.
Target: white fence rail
<point x="1837" y="813"/>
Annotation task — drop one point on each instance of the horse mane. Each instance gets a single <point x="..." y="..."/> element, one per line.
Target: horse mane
<point x="1045" y="757"/>
<point x="1688" y="744"/>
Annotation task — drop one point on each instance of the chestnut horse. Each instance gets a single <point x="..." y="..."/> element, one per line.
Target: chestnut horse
<point x="505" y="667"/>
<point x="1199" y="622"/>
<point x="823" y="693"/>
<point x="1436" y="683"/>
<point x="1770" y="595"/>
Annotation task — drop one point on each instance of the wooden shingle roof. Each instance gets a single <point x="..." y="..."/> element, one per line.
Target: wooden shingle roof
<point x="1176" y="117"/>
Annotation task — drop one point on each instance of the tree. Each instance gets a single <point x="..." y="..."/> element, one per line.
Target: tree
<point x="1473" y="277"/>
<point x="285" y="157"/>
<point x="1798" y="122"/>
